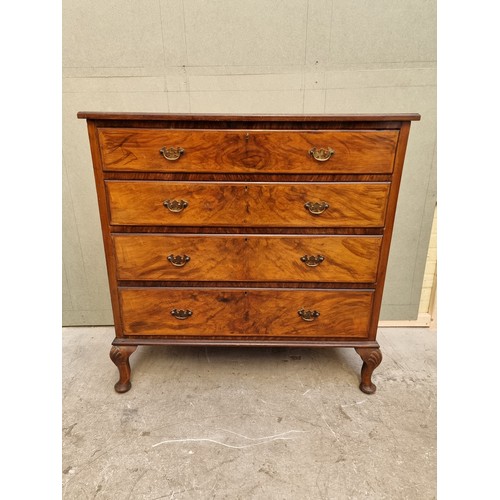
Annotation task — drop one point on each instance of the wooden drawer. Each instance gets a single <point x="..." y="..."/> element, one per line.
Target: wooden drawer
<point x="243" y="313"/>
<point x="247" y="151"/>
<point x="141" y="203"/>
<point x="247" y="258"/>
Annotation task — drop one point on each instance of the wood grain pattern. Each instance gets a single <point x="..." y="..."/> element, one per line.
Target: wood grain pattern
<point x="147" y="311"/>
<point x="252" y="204"/>
<point x="249" y="230"/>
<point x="247" y="151"/>
<point x="247" y="258"/>
<point x="241" y="177"/>
<point x="306" y="285"/>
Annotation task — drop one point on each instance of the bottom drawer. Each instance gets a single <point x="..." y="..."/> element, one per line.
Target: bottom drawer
<point x="245" y="312"/>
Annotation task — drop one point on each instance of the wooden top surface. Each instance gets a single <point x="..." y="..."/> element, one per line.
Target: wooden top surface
<point x="93" y="115"/>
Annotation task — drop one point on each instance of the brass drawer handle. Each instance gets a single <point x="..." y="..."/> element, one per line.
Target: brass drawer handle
<point x="312" y="261"/>
<point x="181" y="313"/>
<point x="321" y="154"/>
<point x="308" y="315"/>
<point x="175" y="206"/>
<point x="178" y="260"/>
<point x="172" y="153"/>
<point x="316" y="208"/>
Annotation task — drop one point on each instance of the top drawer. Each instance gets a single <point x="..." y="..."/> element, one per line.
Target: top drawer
<point x="248" y="151"/>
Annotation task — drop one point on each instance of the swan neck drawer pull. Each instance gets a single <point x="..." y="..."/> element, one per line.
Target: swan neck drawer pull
<point x="172" y="153"/>
<point x="181" y="313"/>
<point x="178" y="260"/>
<point x="321" y="154"/>
<point x="175" y="206"/>
<point x="312" y="260"/>
<point x="308" y="315"/>
<point x="316" y="208"/>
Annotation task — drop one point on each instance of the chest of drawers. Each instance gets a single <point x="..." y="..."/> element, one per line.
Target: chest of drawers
<point x="247" y="230"/>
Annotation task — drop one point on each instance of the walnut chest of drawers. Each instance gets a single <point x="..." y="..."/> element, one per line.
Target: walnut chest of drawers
<point x="247" y="230"/>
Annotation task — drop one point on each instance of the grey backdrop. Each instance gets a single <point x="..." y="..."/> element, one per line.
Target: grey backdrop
<point x="234" y="56"/>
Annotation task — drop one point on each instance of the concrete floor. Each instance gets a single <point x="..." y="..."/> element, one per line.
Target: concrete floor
<point x="249" y="423"/>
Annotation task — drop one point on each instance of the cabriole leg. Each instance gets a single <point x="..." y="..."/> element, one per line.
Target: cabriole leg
<point x="372" y="357"/>
<point x="119" y="356"/>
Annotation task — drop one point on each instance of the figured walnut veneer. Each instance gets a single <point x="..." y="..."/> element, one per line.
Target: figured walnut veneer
<point x="240" y="313"/>
<point x="356" y="204"/>
<point x="231" y="151"/>
<point x="247" y="230"/>
<point x="247" y="257"/>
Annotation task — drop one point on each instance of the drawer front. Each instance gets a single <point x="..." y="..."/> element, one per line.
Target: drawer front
<point x="354" y="204"/>
<point x="247" y="258"/>
<point x="244" y="313"/>
<point x="247" y="151"/>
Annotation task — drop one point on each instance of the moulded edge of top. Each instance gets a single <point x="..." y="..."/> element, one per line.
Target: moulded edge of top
<point x="95" y="115"/>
